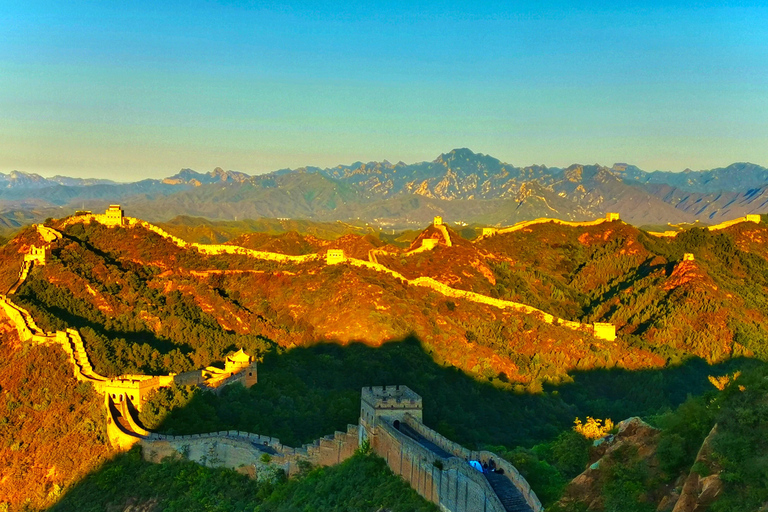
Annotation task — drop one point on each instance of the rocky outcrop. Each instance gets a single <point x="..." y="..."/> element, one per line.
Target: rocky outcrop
<point x="587" y="487"/>
<point x="700" y="491"/>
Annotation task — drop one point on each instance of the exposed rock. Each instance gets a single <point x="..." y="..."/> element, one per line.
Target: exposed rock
<point x="587" y="487"/>
<point x="699" y="491"/>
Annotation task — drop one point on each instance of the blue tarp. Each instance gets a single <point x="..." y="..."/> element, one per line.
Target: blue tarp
<point x="475" y="464"/>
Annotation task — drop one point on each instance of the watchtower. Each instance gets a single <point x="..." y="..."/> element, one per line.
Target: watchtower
<point x="242" y="362"/>
<point x="113" y="216"/>
<point x="688" y="257"/>
<point x="334" y="256"/>
<point x="604" y="331"/>
<point x="610" y="217"/>
<point x="489" y="231"/>
<point x="390" y="403"/>
<point x="438" y="221"/>
<point x="36" y="255"/>
<point x="753" y="218"/>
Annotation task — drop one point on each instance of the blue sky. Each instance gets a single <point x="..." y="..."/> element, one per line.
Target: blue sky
<point x="131" y="90"/>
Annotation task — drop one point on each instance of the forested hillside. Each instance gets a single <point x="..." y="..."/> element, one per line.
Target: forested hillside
<point x="491" y="377"/>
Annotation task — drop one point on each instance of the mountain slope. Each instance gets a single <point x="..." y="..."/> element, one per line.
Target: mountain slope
<point x="460" y="185"/>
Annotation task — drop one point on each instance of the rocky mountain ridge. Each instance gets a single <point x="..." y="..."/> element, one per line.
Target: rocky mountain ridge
<point x="462" y="185"/>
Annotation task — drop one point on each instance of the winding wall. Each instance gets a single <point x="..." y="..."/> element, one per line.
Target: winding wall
<point x="747" y="218"/>
<point x="545" y="220"/>
<point x="374" y="265"/>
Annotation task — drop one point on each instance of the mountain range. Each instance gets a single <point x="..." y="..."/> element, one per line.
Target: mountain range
<point x="462" y="186"/>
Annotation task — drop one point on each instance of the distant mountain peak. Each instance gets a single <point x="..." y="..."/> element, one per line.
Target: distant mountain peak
<point x="458" y="154"/>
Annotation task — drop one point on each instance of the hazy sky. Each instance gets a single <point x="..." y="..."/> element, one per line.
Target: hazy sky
<point x="128" y="90"/>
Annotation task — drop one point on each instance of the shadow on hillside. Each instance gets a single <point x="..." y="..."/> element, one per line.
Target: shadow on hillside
<point x="309" y="392"/>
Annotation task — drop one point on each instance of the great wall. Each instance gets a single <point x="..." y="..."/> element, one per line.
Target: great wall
<point x="115" y="217"/>
<point x="390" y="417"/>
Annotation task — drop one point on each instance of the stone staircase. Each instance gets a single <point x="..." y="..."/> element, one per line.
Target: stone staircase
<point x="508" y="494"/>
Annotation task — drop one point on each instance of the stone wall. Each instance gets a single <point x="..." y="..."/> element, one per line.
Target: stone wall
<point x="513" y="474"/>
<point x="215" y="250"/>
<point x="451" y="483"/>
<point x="336" y="256"/>
<point x="747" y="218"/>
<point x="47" y="234"/>
<point x="729" y="223"/>
<point x="446" y="290"/>
<point x="529" y="223"/>
<point x="446" y="235"/>
<point x="242" y="450"/>
<point x="465" y="454"/>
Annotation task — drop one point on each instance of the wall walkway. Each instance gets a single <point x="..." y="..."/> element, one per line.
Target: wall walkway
<point x="439" y="476"/>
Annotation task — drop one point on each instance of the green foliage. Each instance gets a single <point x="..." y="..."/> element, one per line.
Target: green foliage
<point x="683" y="431"/>
<point x="570" y="453"/>
<point x="545" y="480"/>
<point x="626" y="482"/>
<point x="123" y="343"/>
<point x="741" y="443"/>
<point x="362" y="483"/>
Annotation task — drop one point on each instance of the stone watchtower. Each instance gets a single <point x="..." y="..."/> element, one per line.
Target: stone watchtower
<point x="334" y="256"/>
<point x="610" y="217"/>
<point x="36" y="255"/>
<point x="114" y="215"/>
<point x="438" y="221"/>
<point x="388" y="403"/>
<point x="242" y="362"/>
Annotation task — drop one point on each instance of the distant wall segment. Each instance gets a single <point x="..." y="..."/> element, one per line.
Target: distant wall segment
<point x="336" y="256"/>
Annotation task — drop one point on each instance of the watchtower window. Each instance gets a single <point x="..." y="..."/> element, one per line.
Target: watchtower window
<point x="396" y="424"/>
